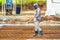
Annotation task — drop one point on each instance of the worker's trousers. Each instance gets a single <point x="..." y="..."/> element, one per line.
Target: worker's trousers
<point x="37" y="27"/>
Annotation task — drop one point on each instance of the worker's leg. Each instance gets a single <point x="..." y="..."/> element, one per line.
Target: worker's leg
<point x="6" y="11"/>
<point x="10" y="11"/>
<point x="37" y="28"/>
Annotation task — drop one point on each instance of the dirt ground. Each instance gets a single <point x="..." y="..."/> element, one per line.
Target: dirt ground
<point x="30" y="19"/>
<point x="26" y="32"/>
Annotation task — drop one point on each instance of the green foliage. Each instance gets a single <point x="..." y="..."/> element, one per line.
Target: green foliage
<point x="30" y="1"/>
<point x="0" y="2"/>
<point x="24" y="1"/>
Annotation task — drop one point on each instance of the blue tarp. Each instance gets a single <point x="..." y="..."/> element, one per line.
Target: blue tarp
<point x="18" y="9"/>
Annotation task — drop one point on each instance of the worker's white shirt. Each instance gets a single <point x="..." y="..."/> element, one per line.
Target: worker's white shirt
<point x="37" y="15"/>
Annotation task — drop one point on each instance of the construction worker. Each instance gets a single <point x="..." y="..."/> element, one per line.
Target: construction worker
<point x="8" y="7"/>
<point x="37" y="18"/>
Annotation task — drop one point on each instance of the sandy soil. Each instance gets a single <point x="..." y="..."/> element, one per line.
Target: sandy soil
<point x="30" y="19"/>
<point x="23" y="33"/>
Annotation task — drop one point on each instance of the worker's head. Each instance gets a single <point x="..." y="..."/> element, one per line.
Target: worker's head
<point x="35" y="5"/>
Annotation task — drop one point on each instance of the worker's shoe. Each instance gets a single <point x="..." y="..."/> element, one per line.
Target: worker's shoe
<point x="36" y="32"/>
<point x="41" y="33"/>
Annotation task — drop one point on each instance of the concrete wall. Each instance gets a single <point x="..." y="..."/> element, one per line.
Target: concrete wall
<point x="53" y="7"/>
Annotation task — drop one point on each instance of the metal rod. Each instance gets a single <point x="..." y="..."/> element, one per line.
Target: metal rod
<point x="14" y="6"/>
<point x="21" y="6"/>
<point x="2" y="8"/>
